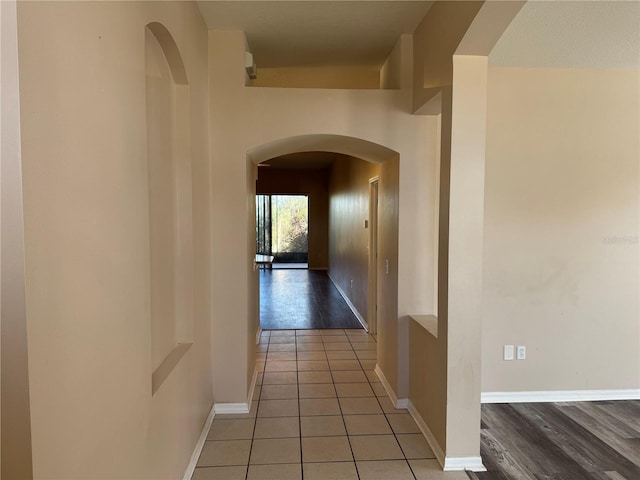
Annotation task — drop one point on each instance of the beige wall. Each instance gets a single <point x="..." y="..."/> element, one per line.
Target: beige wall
<point x="561" y="230"/>
<point x="244" y="119"/>
<point x="318" y="77"/>
<point x="560" y="233"/>
<point x="450" y="80"/>
<point x="390" y="326"/>
<point x="315" y="184"/>
<point x="428" y="380"/>
<point x="15" y="415"/>
<point x="348" y="237"/>
<point x="464" y="274"/>
<point x="446" y="393"/>
<point x="391" y="70"/>
<point x="82" y="80"/>
<point x="253" y="289"/>
<point x="435" y="41"/>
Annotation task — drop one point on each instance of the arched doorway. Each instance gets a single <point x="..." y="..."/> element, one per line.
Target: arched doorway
<point x="385" y="266"/>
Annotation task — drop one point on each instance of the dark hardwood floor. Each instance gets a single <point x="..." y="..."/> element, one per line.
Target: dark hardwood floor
<point x="561" y="441"/>
<point x="302" y="299"/>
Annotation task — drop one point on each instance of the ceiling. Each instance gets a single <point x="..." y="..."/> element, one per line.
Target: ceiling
<point x="317" y="33"/>
<point x="572" y="34"/>
<point x="302" y="160"/>
<point x="362" y="33"/>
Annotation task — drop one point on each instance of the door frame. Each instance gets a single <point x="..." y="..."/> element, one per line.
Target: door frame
<point x="372" y="307"/>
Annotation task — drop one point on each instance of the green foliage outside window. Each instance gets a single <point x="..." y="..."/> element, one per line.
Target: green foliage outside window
<point x="290" y="223"/>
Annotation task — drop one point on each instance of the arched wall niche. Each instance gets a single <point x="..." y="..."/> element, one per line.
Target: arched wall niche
<point x="170" y="202"/>
<point x="171" y="52"/>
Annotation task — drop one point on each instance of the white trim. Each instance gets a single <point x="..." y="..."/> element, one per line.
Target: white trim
<point x="428" y="435"/>
<point x="372" y="253"/>
<point x="559" y="396"/>
<point x="463" y="463"/>
<point x="258" y="335"/>
<point x="191" y="466"/>
<point x="397" y="402"/>
<point x="231" y="408"/>
<point x="252" y="387"/>
<point x="447" y="463"/>
<point x="353" y="308"/>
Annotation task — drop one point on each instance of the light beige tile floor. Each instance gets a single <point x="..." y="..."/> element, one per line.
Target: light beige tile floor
<point x="319" y="413"/>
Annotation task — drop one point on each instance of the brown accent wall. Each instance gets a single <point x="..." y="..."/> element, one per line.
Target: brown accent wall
<point x="315" y="184"/>
<point x="348" y="237"/>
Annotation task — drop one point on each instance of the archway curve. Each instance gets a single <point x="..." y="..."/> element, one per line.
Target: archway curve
<point x="171" y="52"/>
<point x="352" y="146"/>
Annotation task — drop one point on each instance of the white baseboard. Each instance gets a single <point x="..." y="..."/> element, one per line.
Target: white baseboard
<point x="237" y="408"/>
<point x="428" y="435"/>
<point x="191" y="467"/>
<point x="231" y="408"/>
<point x="252" y="387"/>
<point x="559" y="396"/>
<point x="463" y="463"/>
<point x="353" y="308"/>
<point x="258" y="334"/>
<point x="397" y="402"/>
<point x="447" y="463"/>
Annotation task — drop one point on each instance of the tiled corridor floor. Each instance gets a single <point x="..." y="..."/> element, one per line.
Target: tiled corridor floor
<point x="319" y="413"/>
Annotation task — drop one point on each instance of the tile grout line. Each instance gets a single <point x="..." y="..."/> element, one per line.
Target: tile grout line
<point x="255" y="423"/>
<point x="355" y="464"/>
<point x="385" y="413"/>
<point x="297" y="357"/>
<point x="368" y="383"/>
<point x="299" y="408"/>
<point x="331" y="372"/>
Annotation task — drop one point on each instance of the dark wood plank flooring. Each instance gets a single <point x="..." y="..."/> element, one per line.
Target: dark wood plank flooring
<point x="302" y="299"/>
<point x="561" y="441"/>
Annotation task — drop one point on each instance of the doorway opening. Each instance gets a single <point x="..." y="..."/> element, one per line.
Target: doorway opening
<point x="335" y="173"/>
<point x="282" y="229"/>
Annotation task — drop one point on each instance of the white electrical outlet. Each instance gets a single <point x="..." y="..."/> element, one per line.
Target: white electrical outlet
<point x="521" y="352"/>
<point x="508" y="352"/>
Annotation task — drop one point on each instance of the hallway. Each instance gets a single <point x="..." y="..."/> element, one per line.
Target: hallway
<point x="319" y="413"/>
<point x="135" y="138"/>
<point x="300" y="299"/>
